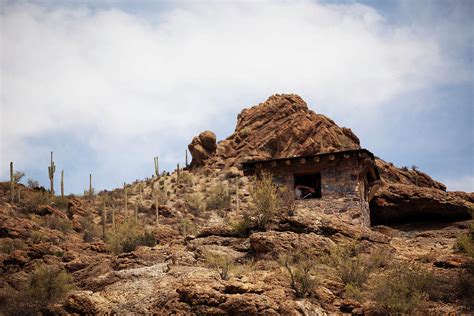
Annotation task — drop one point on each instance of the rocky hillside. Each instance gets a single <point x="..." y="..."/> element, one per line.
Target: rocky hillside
<point x="196" y="242"/>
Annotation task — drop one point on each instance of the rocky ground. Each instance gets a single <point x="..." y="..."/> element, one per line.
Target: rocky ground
<point x="189" y="244"/>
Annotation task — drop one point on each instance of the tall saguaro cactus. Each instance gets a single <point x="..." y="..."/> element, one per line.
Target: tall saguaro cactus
<point x="186" y="156"/>
<point x="104" y="221"/>
<point x="12" y="182"/>
<point x="62" y="183"/>
<point x="157" y="169"/>
<point x="91" y="193"/>
<point x="126" y="200"/>
<point x="51" y="171"/>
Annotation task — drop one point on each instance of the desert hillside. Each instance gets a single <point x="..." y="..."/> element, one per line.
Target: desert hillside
<point x="207" y="240"/>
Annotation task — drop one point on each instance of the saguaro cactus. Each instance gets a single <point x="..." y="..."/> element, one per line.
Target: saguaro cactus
<point x="156" y="209"/>
<point x="126" y="200"/>
<point x="186" y="161"/>
<point x="12" y="182"/>
<point x="178" y="173"/>
<point x="91" y="193"/>
<point x="237" y="202"/>
<point x="157" y="169"/>
<point x="51" y="171"/>
<point x="62" y="183"/>
<point x="104" y="221"/>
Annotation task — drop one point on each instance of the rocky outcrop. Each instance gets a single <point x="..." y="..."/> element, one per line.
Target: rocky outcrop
<point x="403" y="202"/>
<point x="282" y="126"/>
<point x="202" y="147"/>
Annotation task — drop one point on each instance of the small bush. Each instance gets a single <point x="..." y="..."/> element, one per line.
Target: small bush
<point x="350" y="266"/>
<point x="219" y="198"/>
<point x="37" y="237"/>
<point x="288" y="201"/>
<point x="58" y="223"/>
<point x="194" y="203"/>
<point x="299" y="266"/>
<point x="32" y="184"/>
<point x="47" y="285"/>
<point x="126" y="237"/>
<point x="221" y="263"/>
<point x="187" y="228"/>
<point x="17" y="176"/>
<point x="465" y="242"/>
<point x="186" y="178"/>
<point x="265" y="200"/>
<point x="242" y="226"/>
<point x="402" y="289"/>
<point x="465" y="285"/>
<point x="8" y="245"/>
<point x="32" y="201"/>
<point x="61" y="202"/>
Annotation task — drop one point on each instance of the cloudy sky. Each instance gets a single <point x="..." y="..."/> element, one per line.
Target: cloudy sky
<point x="108" y="85"/>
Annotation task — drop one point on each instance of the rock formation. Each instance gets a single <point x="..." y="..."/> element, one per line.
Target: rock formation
<point x="202" y="147"/>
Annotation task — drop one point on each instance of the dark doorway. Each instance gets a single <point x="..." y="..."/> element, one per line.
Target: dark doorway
<point x="308" y="186"/>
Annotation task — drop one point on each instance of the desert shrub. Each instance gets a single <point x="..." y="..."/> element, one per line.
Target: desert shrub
<point x="186" y="228"/>
<point x="32" y="201"/>
<point x="127" y="237"/>
<point x="194" y="203"/>
<point x="299" y="266"/>
<point x="48" y="285"/>
<point x="61" y="202"/>
<point x="266" y="200"/>
<point x="222" y="263"/>
<point x="17" y="176"/>
<point x="465" y="284"/>
<point x="348" y="264"/>
<point x="57" y="223"/>
<point x="32" y="183"/>
<point x="186" y="178"/>
<point x="402" y="289"/>
<point x="37" y="237"/>
<point x="465" y="242"/>
<point x="8" y="245"/>
<point x="288" y="201"/>
<point x="219" y="198"/>
<point x="242" y="226"/>
<point x="87" y="236"/>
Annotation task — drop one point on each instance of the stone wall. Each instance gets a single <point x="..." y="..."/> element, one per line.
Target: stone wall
<point x="342" y="187"/>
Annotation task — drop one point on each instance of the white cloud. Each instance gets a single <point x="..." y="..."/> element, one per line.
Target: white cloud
<point x="464" y="183"/>
<point x="127" y="81"/>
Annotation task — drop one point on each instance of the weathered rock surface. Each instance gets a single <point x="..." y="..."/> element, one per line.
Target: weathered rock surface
<point x="404" y="202"/>
<point x="202" y="147"/>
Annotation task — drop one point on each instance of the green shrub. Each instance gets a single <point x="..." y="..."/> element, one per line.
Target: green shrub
<point x="37" y="237"/>
<point x="465" y="242"/>
<point x="221" y="263"/>
<point x="299" y="266"/>
<point x="8" y="245"/>
<point x="187" y="228"/>
<point x="57" y="223"/>
<point x="186" y="178"/>
<point x="48" y="285"/>
<point x="61" y="202"/>
<point x="402" y="289"/>
<point x="219" y="198"/>
<point x="242" y="226"/>
<point x="194" y="203"/>
<point x="266" y="200"/>
<point x="349" y="265"/>
<point x="127" y="237"/>
<point x="288" y="201"/>
<point x="31" y="202"/>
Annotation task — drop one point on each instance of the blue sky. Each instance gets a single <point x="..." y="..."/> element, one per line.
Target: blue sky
<point x="108" y="85"/>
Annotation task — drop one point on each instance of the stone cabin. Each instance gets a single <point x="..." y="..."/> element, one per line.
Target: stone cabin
<point x="340" y="183"/>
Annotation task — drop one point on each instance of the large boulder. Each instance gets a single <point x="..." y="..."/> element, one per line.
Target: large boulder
<point x="202" y="147"/>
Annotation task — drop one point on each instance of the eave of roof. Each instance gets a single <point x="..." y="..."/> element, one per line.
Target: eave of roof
<point x="341" y="152"/>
